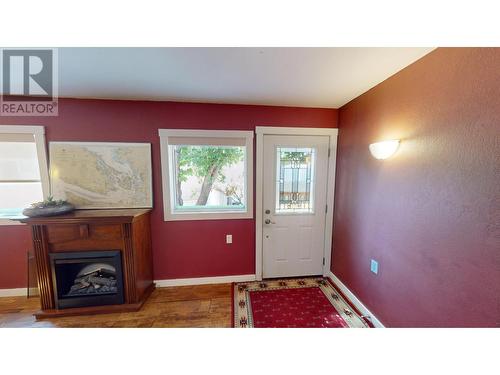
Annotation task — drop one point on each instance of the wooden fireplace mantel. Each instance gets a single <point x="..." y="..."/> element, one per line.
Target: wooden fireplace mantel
<point x="126" y="230"/>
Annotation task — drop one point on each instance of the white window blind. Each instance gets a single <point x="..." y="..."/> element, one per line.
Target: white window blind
<point x="21" y="181"/>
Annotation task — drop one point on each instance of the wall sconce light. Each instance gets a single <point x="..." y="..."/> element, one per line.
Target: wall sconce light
<point x="384" y="149"/>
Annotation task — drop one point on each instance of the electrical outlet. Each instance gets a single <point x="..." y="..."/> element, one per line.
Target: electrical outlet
<point x="374" y="266"/>
<point x="229" y="238"/>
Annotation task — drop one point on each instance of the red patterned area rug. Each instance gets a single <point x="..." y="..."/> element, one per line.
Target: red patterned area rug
<point x="292" y="303"/>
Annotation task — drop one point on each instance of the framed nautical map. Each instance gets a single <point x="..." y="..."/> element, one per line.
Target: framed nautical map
<point x="93" y="175"/>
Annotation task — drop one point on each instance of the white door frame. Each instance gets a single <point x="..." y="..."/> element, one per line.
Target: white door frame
<point x="259" y="167"/>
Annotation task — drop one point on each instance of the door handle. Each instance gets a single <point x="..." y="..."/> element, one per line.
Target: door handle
<point x="268" y="221"/>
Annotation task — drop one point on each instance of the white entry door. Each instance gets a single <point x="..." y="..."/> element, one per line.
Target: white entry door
<point x="295" y="177"/>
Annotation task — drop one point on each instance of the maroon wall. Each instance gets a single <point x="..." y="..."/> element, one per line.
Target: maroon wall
<point x="181" y="249"/>
<point x="15" y="241"/>
<point x="430" y="214"/>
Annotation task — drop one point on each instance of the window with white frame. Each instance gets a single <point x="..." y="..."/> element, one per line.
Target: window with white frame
<point x="23" y="169"/>
<point x="207" y="174"/>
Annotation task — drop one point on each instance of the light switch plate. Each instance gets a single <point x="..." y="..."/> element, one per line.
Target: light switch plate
<point x="374" y="266"/>
<point x="229" y="238"/>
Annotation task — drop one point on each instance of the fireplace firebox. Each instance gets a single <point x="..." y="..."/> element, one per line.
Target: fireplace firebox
<point x="87" y="278"/>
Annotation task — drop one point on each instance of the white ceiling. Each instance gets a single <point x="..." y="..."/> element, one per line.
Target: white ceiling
<point x="307" y="77"/>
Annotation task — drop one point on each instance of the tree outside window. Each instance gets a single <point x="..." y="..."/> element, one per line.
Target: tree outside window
<point x="209" y="176"/>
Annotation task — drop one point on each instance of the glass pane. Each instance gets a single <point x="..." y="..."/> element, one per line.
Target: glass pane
<point x="295" y="179"/>
<point x="208" y="178"/>
<point x="16" y="196"/>
<point x="18" y="161"/>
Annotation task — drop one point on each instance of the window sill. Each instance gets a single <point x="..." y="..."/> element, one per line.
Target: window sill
<point x="208" y="216"/>
<point x="6" y="222"/>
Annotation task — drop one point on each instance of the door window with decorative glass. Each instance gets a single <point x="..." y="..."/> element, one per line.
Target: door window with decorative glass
<point x="295" y="180"/>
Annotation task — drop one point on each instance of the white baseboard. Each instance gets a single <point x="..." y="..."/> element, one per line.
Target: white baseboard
<point x="16" y="292"/>
<point x="205" y="280"/>
<point x="355" y="301"/>
<point x="160" y="283"/>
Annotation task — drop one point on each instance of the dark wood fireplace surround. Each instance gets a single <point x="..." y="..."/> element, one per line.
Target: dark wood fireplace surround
<point x="126" y="230"/>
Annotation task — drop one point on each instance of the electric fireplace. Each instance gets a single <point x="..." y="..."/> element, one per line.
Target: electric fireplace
<point x="92" y="261"/>
<point x="87" y="278"/>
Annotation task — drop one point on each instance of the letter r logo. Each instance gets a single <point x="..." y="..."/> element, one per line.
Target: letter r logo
<point x="28" y="73"/>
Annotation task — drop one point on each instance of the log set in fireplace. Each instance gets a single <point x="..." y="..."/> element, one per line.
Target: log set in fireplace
<point x="101" y="280"/>
<point x="87" y="278"/>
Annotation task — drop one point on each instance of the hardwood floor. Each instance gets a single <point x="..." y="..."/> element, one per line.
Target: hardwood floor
<point x="184" y="306"/>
